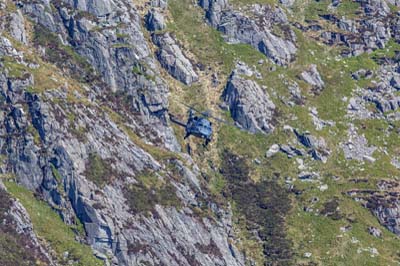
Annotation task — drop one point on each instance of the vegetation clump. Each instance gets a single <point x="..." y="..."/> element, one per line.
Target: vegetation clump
<point x="64" y="56"/>
<point x="98" y="170"/>
<point x="142" y="198"/>
<point x="48" y="225"/>
<point x="331" y="210"/>
<point x="264" y="206"/>
<point x="15" y="249"/>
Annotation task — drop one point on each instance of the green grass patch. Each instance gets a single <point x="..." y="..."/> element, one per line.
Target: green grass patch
<point x="142" y="199"/>
<point x="49" y="226"/>
<point x="98" y="170"/>
<point x="205" y="42"/>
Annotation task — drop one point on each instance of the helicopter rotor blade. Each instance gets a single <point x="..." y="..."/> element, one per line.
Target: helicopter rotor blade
<point x="190" y="107"/>
<point x="208" y="114"/>
<point x="221" y="120"/>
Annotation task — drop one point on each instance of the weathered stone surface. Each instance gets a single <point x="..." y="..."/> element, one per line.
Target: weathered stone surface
<point x="312" y="77"/>
<point x="272" y="150"/>
<point x="240" y="28"/>
<point x="117" y="50"/>
<point x="173" y="60"/>
<point x="317" y="146"/>
<point x="376" y="232"/>
<point x="287" y="3"/>
<point x="383" y="203"/>
<point x="57" y="142"/>
<point x="159" y="3"/>
<point x="95" y="7"/>
<point x="292" y="151"/>
<point x="318" y="122"/>
<point x="372" y="30"/>
<point x="383" y="93"/>
<point x="17" y="27"/>
<point x="155" y="20"/>
<point x="357" y="146"/>
<point x="249" y="105"/>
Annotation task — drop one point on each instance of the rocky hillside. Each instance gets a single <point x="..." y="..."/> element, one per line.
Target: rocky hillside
<point x="305" y="172"/>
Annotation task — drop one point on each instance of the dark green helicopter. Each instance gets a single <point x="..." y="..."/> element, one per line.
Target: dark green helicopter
<point x="198" y="125"/>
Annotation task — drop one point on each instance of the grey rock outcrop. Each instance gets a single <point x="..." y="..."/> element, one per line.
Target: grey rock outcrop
<point x="159" y="3"/>
<point x="383" y="203"/>
<point x="237" y="27"/>
<point x="383" y="93"/>
<point x="250" y="106"/>
<point x="287" y="3"/>
<point x="96" y="7"/>
<point x="155" y="20"/>
<point x="109" y="36"/>
<point x="373" y="29"/>
<point x="17" y="27"/>
<point x="59" y="134"/>
<point x="312" y="77"/>
<point x="376" y="232"/>
<point x="357" y="146"/>
<point x="292" y="151"/>
<point x="317" y="121"/>
<point x="172" y="59"/>
<point x="318" y="148"/>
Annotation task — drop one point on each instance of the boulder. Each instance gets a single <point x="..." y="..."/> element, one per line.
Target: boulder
<point x="376" y="232"/>
<point x="173" y="60"/>
<point x="17" y="27"/>
<point x="312" y="77"/>
<point x="155" y="20"/>
<point x="287" y="3"/>
<point x="272" y="150"/>
<point x="292" y="151"/>
<point x="317" y="146"/>
<point x="250" y="106"/>
<point x="254" y="29"/>
<point x="395" y="82"/>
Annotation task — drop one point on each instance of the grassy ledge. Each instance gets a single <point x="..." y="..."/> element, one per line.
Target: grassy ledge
<point x="49" y="226"/>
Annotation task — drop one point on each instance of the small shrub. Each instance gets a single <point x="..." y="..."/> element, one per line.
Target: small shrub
<point x="143" y="199"/>
<point x="98" y="170"/>
<point x="264" y="206"/>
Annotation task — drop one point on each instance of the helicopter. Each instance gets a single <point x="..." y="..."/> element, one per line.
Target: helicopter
<point x="199" y="126"/>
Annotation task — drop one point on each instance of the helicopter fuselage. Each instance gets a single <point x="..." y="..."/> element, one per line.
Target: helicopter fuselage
<point x="199" y="127"/>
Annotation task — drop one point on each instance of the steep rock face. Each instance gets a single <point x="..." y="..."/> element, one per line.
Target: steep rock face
<point x="96" y="7"/>
<point x="173" y="60"/>
<point x="17" y="27"/>
<point x="155" y="20"/>
<point x="202" y="246"/>
<point x="108" y="35"/>
<point x="86" y="165"/>
<point x="254" y="29"/>
<point x="249" y="104"/>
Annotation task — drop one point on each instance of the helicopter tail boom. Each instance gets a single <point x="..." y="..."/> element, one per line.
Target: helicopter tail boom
<point x="176" y="121"/>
